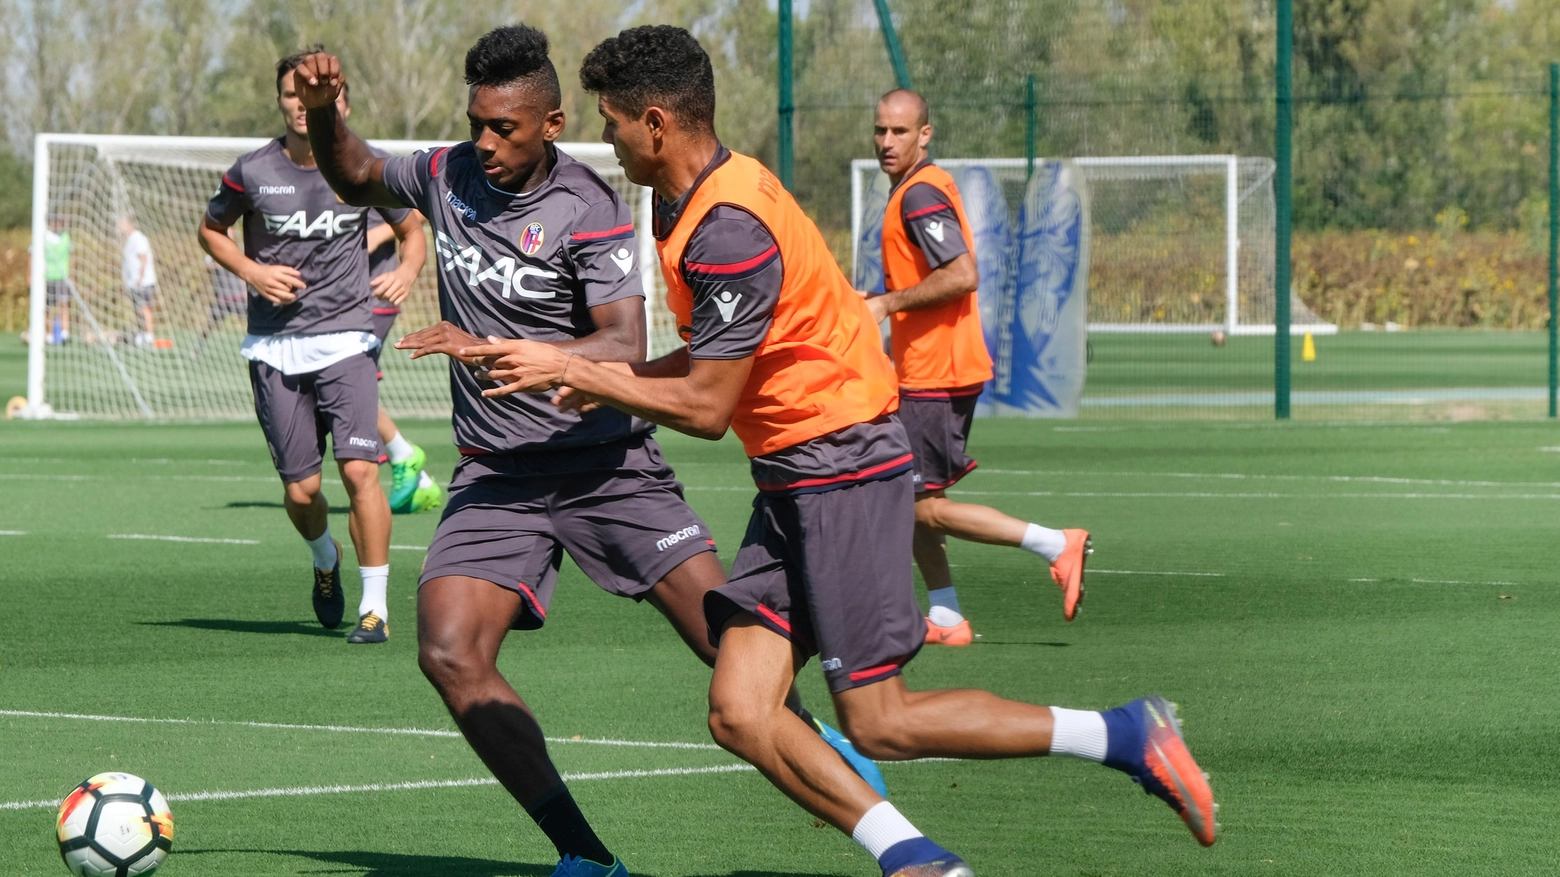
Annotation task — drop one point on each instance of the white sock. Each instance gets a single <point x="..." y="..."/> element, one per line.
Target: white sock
<point x="1079" y="733"/>
<point x="1045" y="542"/>
<point x="945" y="597"/>
<point x="424" y="479"/>
<point x="881" y="828"/>
<point x="942" y="616"/>
<point x="375" y="581"/>
<point x="324" y="550"/>
<point x="399" y="449"/>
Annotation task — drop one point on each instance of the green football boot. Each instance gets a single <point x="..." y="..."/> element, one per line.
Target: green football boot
<point x="404" y="481"/>
<point x="426" y="496"/>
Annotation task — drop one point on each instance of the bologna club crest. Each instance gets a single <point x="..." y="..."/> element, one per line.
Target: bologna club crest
<point x="531" y="239"/>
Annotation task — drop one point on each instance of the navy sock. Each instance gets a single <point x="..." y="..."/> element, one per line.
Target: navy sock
<point x="561" y="820"/>
<point x="915" y="851"/>
<point x="1123" y="738"/>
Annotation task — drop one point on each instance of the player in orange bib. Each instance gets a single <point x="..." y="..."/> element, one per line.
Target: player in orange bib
<point x="941" y="362"/>
<point x="781" y="350"/>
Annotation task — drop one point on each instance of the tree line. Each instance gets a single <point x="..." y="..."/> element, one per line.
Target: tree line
<point x="1407" y="107"/>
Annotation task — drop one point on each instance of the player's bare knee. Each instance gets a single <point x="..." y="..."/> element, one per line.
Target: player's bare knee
<point x="928" y="512"/>
<point x="302" y="493"/>
<point x="447" y="665"/>
<point x="359" y="476"/>
<point x="736" y="722"/>
<point x="878" y="736"/>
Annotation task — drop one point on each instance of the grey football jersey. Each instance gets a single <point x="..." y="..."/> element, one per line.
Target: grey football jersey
<point x="291" y="217"/>
<point x="522" y="266"/>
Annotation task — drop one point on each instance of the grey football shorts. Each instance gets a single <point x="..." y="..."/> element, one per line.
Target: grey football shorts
<point x="616" y="508"/>
<point x="382" y="325"/>
<point x="297" y="412"/>
<point x="938" y="424"/>
<point x="831" y="572"/>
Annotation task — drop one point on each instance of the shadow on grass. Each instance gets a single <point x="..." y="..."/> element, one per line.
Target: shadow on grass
<point x="259" y="504"/>
<point x="239" y="625"/>
<point x="1005" y="642"/>
<point x="368" y="864"/>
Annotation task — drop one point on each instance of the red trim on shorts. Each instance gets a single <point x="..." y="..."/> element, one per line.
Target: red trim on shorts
<point x="774" y="618"/>
<point x="383" y="459"/>
<point x="870" y="672"/>
<point x="735" y="267"/>
<point x="385" y="312"/>
<point x="472" y="452"/>
<point x="952" y="481"/>
<point x="927" y="211"/>
<point x="841" y="479"/>
<point x="536" y="605"/>
<point x="953" y="393"/>
<point x="598" y="235"/>
<point x="433" y="161"/>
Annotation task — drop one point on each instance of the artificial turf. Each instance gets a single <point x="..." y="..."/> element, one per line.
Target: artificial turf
<point x="1358" y="635"/>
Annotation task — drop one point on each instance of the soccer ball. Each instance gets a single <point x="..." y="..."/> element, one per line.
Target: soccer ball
<point x="1218" y="337"/>
<point x="114" y="825"/>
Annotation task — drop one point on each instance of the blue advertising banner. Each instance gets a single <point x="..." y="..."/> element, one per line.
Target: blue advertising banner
<point x="1042" y="340"/>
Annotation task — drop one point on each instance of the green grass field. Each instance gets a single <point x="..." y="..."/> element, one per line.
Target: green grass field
<point x="1356" y="619"/>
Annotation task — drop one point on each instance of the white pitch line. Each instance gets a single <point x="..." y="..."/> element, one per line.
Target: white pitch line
<point x="406" y="732"/>
<point x="13" y="532"/>
<point x="183" y="539"/>
<point x="1134" y="572"/>
<point x="1212" y="495"/>
<point x="408" y="548"/>
<point x="1240" y="476"/>
<point x="300" y="791"/>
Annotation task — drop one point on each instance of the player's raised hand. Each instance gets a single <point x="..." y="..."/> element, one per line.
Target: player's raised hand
<point x="278" y="284"/>
<point x="445" y="338"/>
<point x="318" y="80"/>
<point x="518" y="366"/>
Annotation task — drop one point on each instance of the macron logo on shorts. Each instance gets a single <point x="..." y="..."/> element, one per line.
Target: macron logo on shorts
<point x="673" y="538"/>
<point x="833" y="664"/>
<point x="363" y="443"/>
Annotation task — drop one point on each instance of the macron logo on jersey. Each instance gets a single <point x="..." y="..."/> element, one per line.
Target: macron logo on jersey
<point x="506" y="271"/>
<point x="935" y="229"/>
<point x="622" y="258"/>
<point x="726" y="303"/>
<point x="277" y="190"/>
<point x="460" y="207"/>
<point x="329" y="224"/>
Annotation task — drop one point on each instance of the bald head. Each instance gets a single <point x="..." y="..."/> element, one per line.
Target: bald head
<point x="903" y="100"/>
<point x="900" y="132"/>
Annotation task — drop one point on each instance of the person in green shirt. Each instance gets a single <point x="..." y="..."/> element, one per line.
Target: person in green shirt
<point x="58" y="290"/>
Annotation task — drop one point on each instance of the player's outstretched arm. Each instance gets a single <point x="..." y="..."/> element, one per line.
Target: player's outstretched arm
<point x="699" y="403"/>
<point x="346" y="162"/>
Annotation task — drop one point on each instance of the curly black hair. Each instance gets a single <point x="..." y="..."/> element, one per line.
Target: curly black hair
<point x="513" y="54"/>
<point x="291" y="62"/>
<point x="658" y="65"/>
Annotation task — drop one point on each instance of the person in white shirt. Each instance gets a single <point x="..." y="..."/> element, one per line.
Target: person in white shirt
<point x="140" y="276"/>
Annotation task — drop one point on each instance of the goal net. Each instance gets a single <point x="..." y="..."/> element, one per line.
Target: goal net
<point x="1177" y="244"/>
<point x="83" y="183"/>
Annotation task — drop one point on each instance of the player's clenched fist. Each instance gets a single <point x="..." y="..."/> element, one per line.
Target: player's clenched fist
<point x="318" y="80"/>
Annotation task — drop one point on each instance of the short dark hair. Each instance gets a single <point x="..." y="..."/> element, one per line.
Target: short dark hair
<point x="923" y="115"/>
<point x="656" y="65"/>
<point x="291" y="62"/>
<point x="515" y="54"/>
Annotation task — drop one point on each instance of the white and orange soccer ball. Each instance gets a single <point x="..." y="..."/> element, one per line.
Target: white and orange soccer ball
<point x="114" y="825"/>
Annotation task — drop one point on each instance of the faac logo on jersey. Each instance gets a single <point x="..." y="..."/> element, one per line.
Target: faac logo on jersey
<point x="328" y="224"/>
<point x="506" y="271"/>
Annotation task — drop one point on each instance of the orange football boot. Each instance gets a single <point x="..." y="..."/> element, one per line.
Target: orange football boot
<point x="1164" y="767"/>
<point x="1067" y="570"/>
<point x="958" y="635"/>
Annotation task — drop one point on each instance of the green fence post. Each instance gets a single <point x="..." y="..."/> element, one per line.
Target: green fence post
<point x="787" y="102"/>
<point x="896" y="55"/>
<point x="1554" y="233"/>
<point x="1283" y="182"/>
<point x="1029" y="127"/>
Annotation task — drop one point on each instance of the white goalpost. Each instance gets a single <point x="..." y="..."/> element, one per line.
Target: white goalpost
<point x="83" y="183"/>
<point x="1178" y="244"/>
